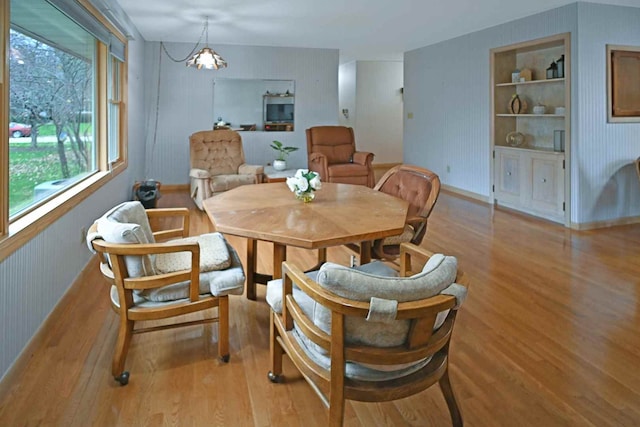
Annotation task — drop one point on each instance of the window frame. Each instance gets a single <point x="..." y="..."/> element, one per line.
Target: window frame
<point x="19" y="231"/>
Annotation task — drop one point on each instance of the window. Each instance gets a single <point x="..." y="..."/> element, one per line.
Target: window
<point x="64" y="88"/>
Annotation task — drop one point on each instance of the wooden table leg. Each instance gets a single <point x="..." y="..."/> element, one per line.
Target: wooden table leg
<point x="365" y="252"/>
<point x="252" y="260"/>
<point x="322" y="256"/>
<point x="279" y="255"/>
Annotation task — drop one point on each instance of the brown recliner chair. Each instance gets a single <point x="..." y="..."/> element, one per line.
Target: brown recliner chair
<point x="217" y="164"/>
<point x="332" y="153"/>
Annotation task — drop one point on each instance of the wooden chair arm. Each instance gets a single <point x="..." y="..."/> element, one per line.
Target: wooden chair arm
<point x="125" y="249"/>
<point x="117" y="252"/>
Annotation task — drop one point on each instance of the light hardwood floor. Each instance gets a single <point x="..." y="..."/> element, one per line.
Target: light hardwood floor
<point x="547" y="337"/>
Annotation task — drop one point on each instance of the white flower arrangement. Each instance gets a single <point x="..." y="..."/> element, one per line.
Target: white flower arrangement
<point x="304" y="181"/>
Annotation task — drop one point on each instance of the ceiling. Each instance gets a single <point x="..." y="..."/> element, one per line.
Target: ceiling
<point x="360" y="29"/>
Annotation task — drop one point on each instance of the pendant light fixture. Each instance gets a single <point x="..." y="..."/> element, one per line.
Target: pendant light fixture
<point x="206" y="57"/>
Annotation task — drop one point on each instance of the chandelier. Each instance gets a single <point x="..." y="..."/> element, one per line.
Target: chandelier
<point x="206" y="57"/>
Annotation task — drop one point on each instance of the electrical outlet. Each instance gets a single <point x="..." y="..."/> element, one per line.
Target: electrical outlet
<point x="83" y="234"/>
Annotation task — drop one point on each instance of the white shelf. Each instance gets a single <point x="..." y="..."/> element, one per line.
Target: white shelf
<point x="531" y="82"/>
<point x="557" y="116"/>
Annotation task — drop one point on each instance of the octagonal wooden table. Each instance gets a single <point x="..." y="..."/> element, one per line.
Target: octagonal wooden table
<point x="340" y="214"/>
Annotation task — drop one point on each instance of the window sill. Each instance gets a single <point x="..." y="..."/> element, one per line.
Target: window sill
<point x="27" y="227"/>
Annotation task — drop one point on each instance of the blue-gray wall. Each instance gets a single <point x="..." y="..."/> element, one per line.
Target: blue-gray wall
<point x="605" y="183"/>
<point x="447" y="90"/>
<point x="186" y="101"/>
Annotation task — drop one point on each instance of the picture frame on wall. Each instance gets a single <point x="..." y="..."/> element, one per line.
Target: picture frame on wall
<point x="623" y="85"/>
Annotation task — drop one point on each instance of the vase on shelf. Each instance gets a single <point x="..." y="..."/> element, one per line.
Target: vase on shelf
<point x="305" y="196"/>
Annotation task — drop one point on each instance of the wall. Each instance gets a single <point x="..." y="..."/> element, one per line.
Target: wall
<point x="36" y="276"/>
<point x="606" y="183"/>
<point x="374" y="99"/>
<point x="447" y="90"/>
<point x="184" y="97"/>
<point x="347" y="94"/>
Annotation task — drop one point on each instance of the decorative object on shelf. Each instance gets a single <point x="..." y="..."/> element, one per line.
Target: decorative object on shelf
<point x="559" y="111"/>
<point x="560" y="67"/>
<point x="515" y="139"/>
<point x="539" y="109"/>
<point x="303" y="184"/>
<point x="552" y="71"/>
<point x="280" y="163"/>
<point x="517" y="105"/>
<point x="526" y="74"/>
<point x="515" y="76"/>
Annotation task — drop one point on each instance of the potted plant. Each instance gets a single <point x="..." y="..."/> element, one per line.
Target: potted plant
<point x="280" y="163"/>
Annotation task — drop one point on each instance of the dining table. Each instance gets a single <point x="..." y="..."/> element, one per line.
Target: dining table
<point x="340" y="214"/>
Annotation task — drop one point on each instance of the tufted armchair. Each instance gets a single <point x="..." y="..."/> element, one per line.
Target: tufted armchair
<point x="332" y="153"/>
<point x="217" y="164"/>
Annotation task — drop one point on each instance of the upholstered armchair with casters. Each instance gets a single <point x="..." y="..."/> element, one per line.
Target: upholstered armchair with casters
<point x="217" y="164"/>
<point x="421" y="188"/>
<point x="151" y="281"/>
<point x="331" y="152"/>
<point x="365" y="334"/>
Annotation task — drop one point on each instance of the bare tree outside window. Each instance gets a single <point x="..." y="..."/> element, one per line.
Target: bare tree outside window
<point x="51" y="90"/>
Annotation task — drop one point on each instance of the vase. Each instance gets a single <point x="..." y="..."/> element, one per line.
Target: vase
<point x="306" y="196"/>
<point x="279" y="165"/>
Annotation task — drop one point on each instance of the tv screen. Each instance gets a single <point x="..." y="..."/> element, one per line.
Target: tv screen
<point x="280" y="112"/>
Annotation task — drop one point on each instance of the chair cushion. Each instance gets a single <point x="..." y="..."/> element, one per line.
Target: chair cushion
<point x="438" y="273"/>
<point x="221" y="183"/>
<point x="406" y="236"/>
<point x="274" y="287"/>
<point x="128" y="223"/>
<point x="218" y="152"/>
<point x="347" y="170"/>
<point x="214" y="255"/>
<point x="229" y="281"/>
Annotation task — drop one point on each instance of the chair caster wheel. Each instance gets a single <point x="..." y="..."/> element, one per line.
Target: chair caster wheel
<point x="274" y="378"/>
<point x="123" y="378"/>
<point x="225" y="358"/>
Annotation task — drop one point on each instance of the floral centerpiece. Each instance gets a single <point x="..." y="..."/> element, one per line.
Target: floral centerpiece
<point x="304" y="183"/>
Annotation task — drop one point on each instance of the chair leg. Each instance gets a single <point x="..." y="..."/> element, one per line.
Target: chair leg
<point x="223" y="328"/>
<point x="125" y="332"/>
<point x="275" y="350"/>
<point x="449" y="397"/>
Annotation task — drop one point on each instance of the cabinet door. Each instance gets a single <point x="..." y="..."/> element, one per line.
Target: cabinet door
<point x="547" y="184"/>
<point x="508" y="171"/>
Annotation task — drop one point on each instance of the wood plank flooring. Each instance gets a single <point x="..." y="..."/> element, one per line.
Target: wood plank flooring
<point x="548" y="336"/>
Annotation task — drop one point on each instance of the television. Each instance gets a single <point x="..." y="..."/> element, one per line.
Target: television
<point x="280" y="113"/>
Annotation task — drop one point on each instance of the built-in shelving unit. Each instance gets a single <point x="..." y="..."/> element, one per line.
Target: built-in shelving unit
<point x="532" y="176"/>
